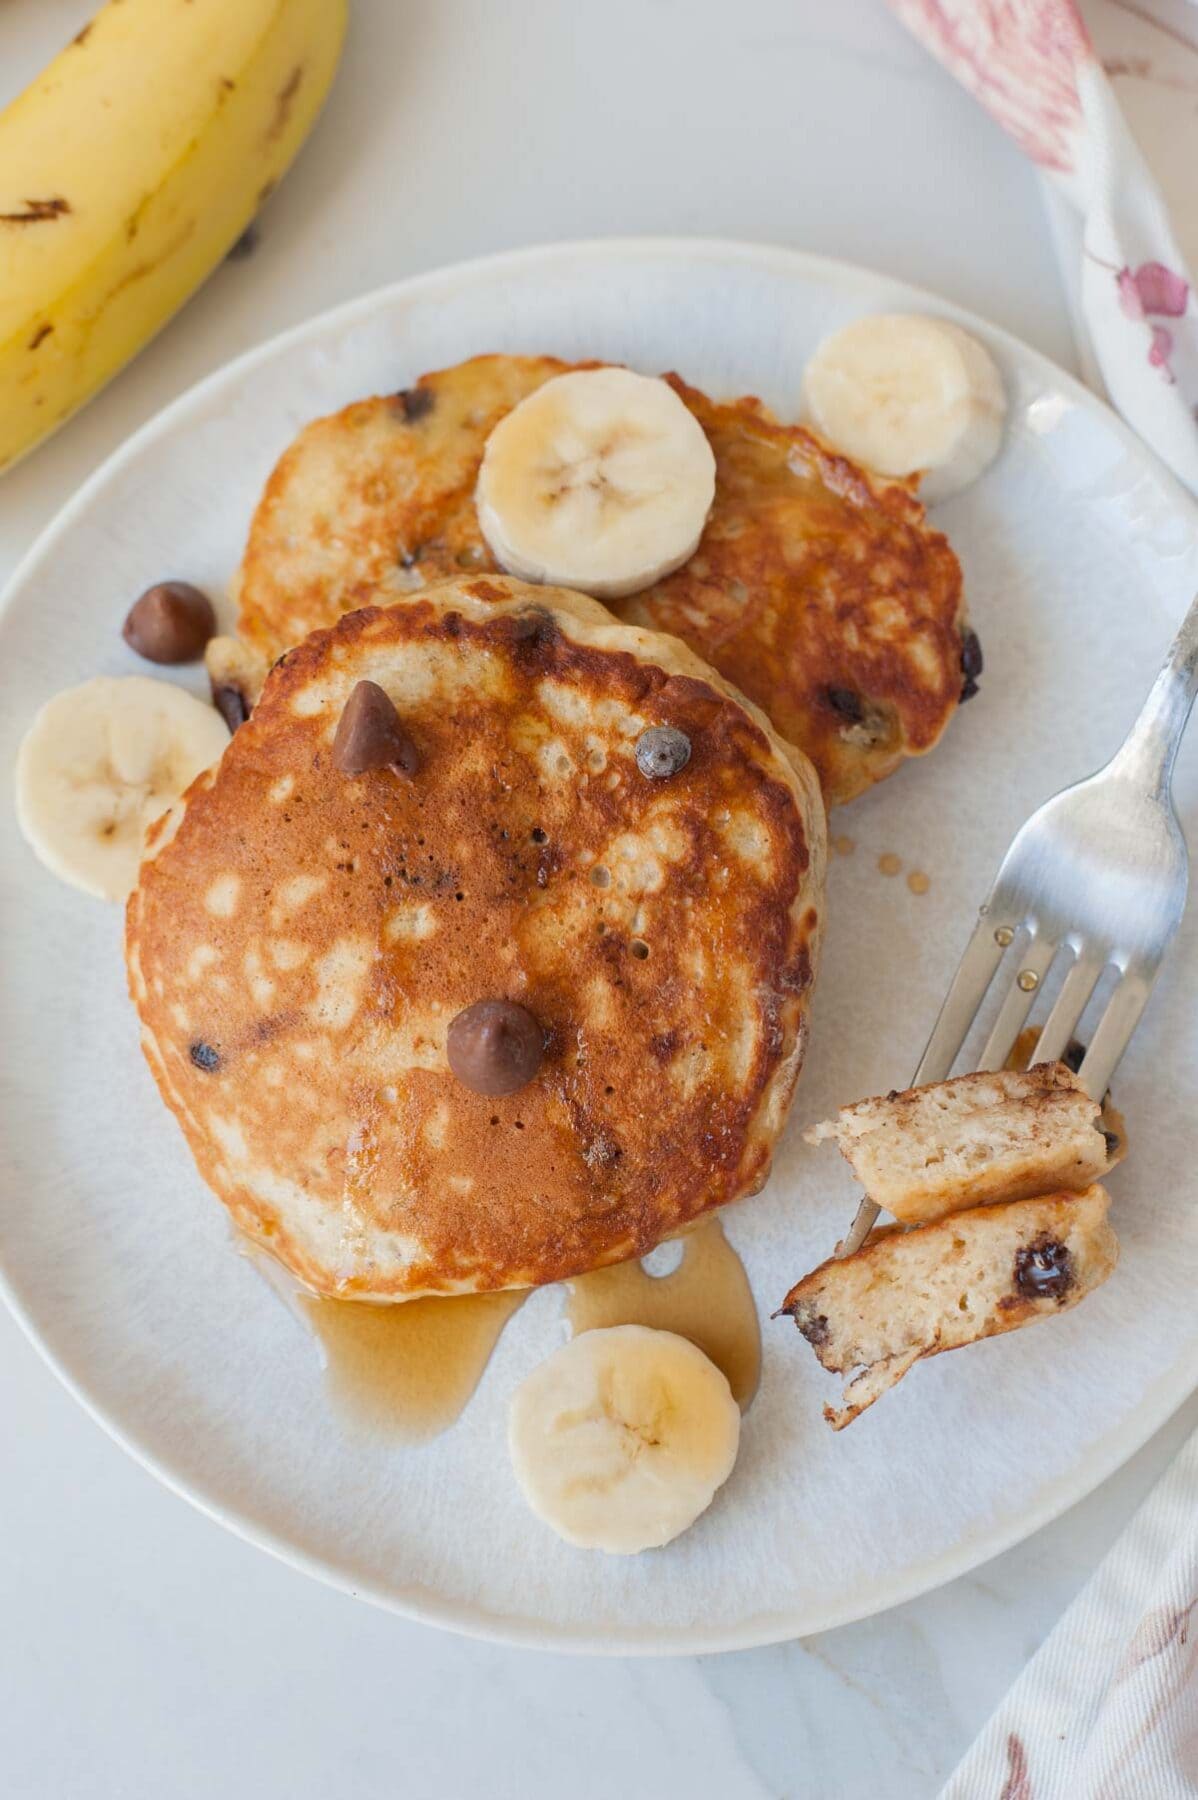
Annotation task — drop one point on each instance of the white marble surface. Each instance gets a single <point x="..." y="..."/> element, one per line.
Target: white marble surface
<point x="146" y="1652"/>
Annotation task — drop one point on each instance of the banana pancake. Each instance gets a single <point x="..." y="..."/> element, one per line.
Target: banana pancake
<point x="818" y="589"/>
<point x="538" y="828"/>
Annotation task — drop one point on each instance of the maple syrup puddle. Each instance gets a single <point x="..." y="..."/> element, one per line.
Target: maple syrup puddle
<point x="408" y="1369"/>
<point x="706" y="1299"/>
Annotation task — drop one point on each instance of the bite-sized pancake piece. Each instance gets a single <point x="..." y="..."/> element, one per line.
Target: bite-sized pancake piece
<point x="909" y="1294"/>
<point x="1005" y="1135"/>
<point x="819" y="590"/>
<point x="345" y="929"/>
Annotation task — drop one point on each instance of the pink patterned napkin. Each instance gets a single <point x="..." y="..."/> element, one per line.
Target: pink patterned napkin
<point x="1107" y="1709"/>
<point x="1032" y="65"/>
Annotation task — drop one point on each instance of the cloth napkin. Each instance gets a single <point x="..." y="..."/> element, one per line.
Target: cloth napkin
<point x="1033" y="66"/>
<point x="1107" y="1709"/>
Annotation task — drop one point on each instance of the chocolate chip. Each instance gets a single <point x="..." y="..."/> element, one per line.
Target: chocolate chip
<point x="1112" y="1140"/>
<point x="971" y="665"/>
<point x="1074" y="1056"/>
<point x="971" y="655"/>
<point x="495" y="1047"/>
<point x="662" y="751"/>
<point x="847" y="703"/>
<point x="170" y="623"/>
<point x="204" y="1056"/>
<point x="230" y="703"/>
<point x="1043" y="1270"/>
<point x="416" y="402"/>
<point x="370" y="735"/>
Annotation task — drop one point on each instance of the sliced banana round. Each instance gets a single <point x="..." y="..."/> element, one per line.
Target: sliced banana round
<point x="621" y="1439"/>
<point x="907" y="395"/>
<point x="601" y="480"/>
<point x="99" y="764"/>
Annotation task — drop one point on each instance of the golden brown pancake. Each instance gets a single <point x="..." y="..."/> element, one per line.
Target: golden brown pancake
<point x="818" y="589"/>
<point x="301" y="939"/>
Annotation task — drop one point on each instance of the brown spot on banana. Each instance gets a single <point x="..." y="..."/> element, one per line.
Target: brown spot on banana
<point x="38" y="212"/>
<point x="283" y="100"/>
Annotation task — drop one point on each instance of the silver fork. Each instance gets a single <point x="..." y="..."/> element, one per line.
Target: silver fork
<point x="1099" y="873"/>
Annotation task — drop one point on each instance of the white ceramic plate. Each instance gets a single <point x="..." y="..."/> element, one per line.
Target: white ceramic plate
<point x="1079" y="556"/>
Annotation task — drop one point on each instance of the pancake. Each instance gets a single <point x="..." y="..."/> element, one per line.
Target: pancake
<point x="819" y="590"/>
<point x="300" y="940"/>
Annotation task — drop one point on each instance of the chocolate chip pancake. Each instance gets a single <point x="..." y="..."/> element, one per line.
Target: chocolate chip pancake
<point x="818" y="589"/>
<point x="483" y="956"/>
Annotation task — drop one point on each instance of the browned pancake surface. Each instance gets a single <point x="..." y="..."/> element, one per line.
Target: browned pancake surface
<point x="298" y="947"/>
<point x="819" y="590"/>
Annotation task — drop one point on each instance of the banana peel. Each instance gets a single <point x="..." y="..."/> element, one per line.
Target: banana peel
<point x="128" y="169"/>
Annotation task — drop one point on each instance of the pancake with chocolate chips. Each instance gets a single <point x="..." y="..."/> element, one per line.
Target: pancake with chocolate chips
<point x="818" y="589"/>
<point x="483" y="956"/>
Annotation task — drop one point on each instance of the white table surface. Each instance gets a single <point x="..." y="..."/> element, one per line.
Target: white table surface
<point x="145" y="1652"/>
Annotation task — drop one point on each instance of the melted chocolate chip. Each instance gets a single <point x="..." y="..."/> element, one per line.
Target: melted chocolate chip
<point x="972" y="662"/>
<point x="535" y="625"/>
<point x="847" y="703"/>
<point x="1043" y="1270"/>
<point x="495" y="1047"/>
<point x="170" y="623"/>
<point x="370" y="735"/>
<point x="1112" y="1140"/>
<point x="204" y="1056"/>
<point x="1074" y="1056"/>
<point x="662" y="751"/>
<point x="416" y="402"/>
<point x="230" y="703"/>
<point x="813" y="1325"/>
<point x="971" y="665"/>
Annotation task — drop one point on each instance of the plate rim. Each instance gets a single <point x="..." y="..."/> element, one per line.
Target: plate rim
<point x="424" y="1606"/>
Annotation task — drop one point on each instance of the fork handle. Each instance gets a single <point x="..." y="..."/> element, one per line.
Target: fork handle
<point x="1150" y="748"/>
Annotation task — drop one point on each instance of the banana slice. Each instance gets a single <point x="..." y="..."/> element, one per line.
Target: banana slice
<point x="620" y="1440"/>
<point x="601" y="480"/>
<point x="905" y="395"/>
<point x="99" y="764"/>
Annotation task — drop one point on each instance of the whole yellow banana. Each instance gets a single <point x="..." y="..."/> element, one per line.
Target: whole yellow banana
<point x="128" y="169"/>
